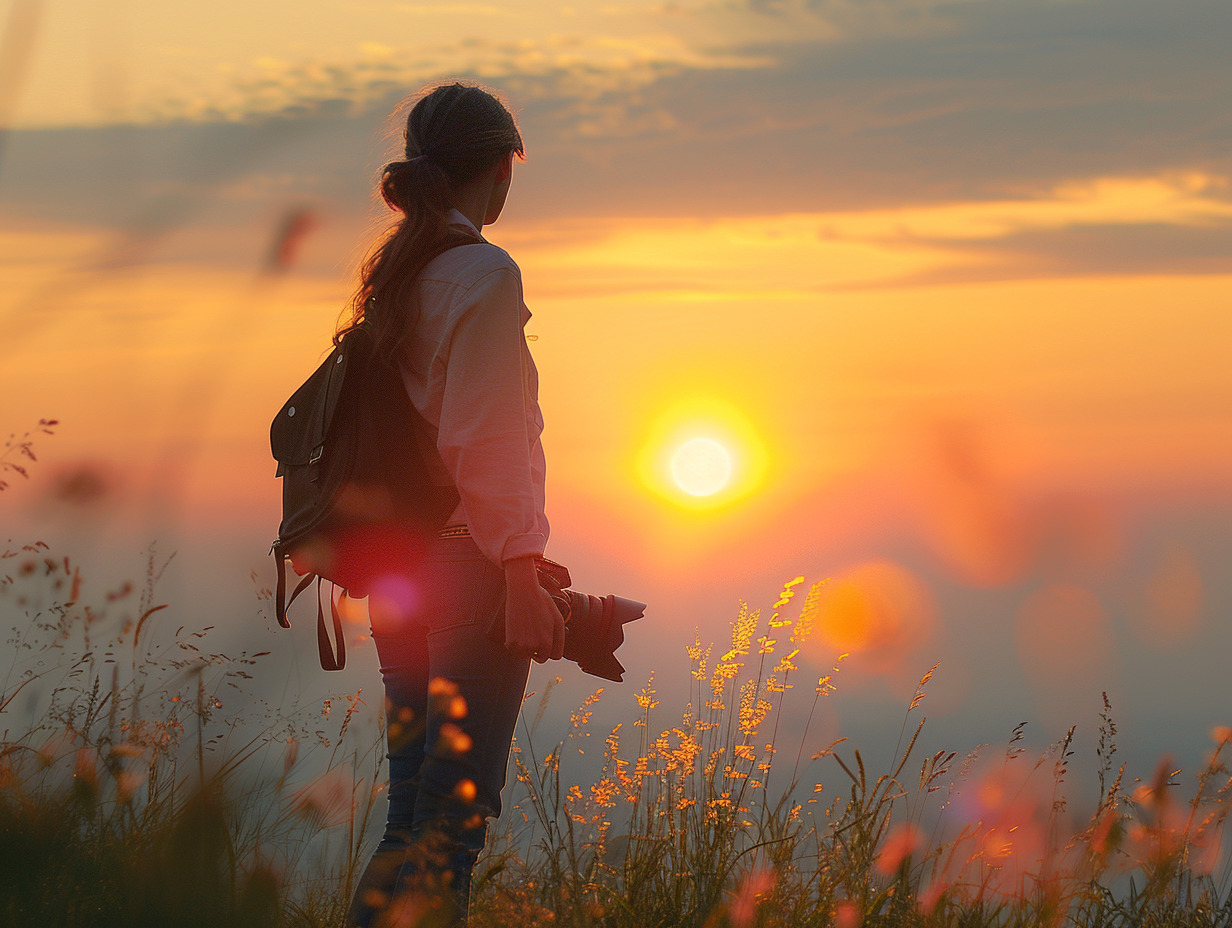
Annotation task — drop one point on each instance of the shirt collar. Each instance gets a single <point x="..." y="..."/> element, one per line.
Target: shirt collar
<point x="455" y="218"/>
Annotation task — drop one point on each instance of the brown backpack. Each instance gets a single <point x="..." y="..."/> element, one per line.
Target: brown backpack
<point x="358" y="500"/>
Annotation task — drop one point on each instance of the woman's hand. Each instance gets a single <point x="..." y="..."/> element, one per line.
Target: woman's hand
<point x="533" y="625"/>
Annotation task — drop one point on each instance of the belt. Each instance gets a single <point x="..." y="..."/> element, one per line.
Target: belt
<point x="454" y="531"/>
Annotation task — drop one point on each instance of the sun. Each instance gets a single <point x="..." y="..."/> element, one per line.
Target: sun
<point x="701" y="467"/>
<point x="701" y="454"/>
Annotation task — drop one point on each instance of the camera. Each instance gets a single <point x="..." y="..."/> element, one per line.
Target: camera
<point x="594" y="625"/>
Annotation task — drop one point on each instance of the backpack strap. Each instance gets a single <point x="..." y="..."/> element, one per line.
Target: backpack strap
<point x="281" y="603"/>
<point x="330" y="659"/>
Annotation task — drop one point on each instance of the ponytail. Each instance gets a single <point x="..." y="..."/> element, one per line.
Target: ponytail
<point x="453" y="135"/>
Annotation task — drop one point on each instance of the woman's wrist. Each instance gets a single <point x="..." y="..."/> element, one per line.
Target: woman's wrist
<point x="520" y="571"/>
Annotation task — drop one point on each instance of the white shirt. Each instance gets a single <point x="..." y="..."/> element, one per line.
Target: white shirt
<point x="469" y="372"/>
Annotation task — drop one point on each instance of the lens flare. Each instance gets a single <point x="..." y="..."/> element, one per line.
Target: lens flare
<point x="701" y="467"/>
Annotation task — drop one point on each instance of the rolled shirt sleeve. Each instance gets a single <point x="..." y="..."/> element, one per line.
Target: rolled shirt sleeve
<point x="490" y="421"/>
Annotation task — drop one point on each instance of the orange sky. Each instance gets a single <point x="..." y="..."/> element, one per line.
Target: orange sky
<point x="799" y="340"/>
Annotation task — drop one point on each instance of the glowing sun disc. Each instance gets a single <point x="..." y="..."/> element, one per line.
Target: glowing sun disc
<point x="701" y="467"/>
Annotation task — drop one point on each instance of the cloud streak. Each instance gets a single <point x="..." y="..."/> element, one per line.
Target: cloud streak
<point x="1180" y="224"/>
<point x="986" y="106"/>
<point x="569" y="67"/>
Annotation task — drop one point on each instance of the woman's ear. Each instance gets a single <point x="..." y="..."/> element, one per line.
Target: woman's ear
<point x="504" y="168"/>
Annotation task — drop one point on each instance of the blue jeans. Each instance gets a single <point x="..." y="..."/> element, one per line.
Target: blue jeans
<point x="452" y="698"/>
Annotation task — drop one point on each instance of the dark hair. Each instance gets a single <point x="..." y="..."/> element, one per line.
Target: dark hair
<point x="453" y="134"/>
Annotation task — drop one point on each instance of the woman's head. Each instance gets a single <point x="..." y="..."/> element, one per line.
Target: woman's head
<point x="454" y="134"/>
<point x="458" y="138"/>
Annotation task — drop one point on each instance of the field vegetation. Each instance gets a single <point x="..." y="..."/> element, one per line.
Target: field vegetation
<point x="142" y="784"/>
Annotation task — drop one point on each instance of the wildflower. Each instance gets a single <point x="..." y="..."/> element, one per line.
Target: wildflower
<point x="786" y="663"/>
<point x="645" y="699"/>
<point x="723" y="671"/>
<point x="803" y="628"/>
<point x="786" y="596"/>
<point x="753" y="711"/>
<point x="604" y="793"/>
<point x="919" y="690"/>
<point x="742" y="631"/>
<point x="824" y="685"/>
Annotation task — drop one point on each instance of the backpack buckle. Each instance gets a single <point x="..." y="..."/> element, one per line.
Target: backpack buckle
<point x="316" y="454"/>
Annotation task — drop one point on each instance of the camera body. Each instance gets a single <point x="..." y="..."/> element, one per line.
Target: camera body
<point x="594" y="625"/>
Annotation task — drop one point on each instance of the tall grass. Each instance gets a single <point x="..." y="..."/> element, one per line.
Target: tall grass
<point x="129" y="796"/>
<point x="704" y="823"/>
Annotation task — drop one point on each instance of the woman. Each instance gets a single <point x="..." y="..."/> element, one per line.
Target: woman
<point x="452" y="319"/>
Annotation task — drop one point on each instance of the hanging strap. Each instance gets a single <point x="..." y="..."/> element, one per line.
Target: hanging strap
<point x="330" y="659"/>
<point x="281" y="603"/>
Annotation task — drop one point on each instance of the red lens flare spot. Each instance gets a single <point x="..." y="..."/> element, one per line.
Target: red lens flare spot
<point x="392" y="601"/>
<point x="902" y="841"/>
<point x="847" y="915"/>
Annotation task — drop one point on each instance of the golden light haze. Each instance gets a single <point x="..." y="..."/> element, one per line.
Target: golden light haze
<point x="949" y="281"/>
<point x="799" y="342"/>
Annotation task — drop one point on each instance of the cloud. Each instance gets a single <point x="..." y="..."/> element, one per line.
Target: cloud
<point x="569" y="67"/>
<point x="948" y="103"/>
<point x="1152" y="249"/>
<point x="1178" y="224"/>
<point x="1007" y="97"/>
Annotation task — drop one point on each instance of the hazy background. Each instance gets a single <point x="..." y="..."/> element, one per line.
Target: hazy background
<point x="950" y="279"/>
